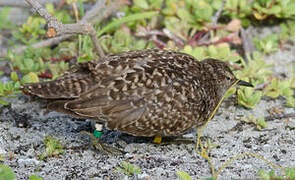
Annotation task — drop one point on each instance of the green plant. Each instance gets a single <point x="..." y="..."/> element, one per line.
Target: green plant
<point x="259" y="122"/>
<point x="6" y="173"/>
<point x="248" y="97"/>
<point x="280" y="9"/>
<point x="85" y="49"/>
<point x="238" y="9"/>
<point x="29" y="78"/>
<point x="58" y="68"/>
<point x="222" y="52"/>
<point x="140" y="5"/>
<point x="290" y="174"/>
<point x="256" y="69"/>
<point x="279" y="88"/>
<point x="268" y="44"/>
<point x="290" y="102"/>
<point x="4" y="23"/>
<point x="30" y="32"/>
<point x="35" y="177"/>
<point x="129" y="169"/>
<point x="9" y="89"/>
<point x="131" y="18"/>
<point x="30" y="61"/>
<point x="287" y="31"/>
<point x="122" y="41"/>
<point x="190" y="16"/>
<point x="183" y="175"/>
<point x="53" y="147"/>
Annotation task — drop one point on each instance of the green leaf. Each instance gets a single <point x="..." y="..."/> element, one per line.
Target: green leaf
<point x="248" y="97"/>
<point x="129" y="169"/>
<point x="274" y="10"/>
<point x="30" y="78"/>
<point x="3" y="16"/>
<point x="29" y="63"/>
<point x="50" y="8"/>
<point x="183" y="14"/>
<point x="290" y="102"/>
<point x="183" y="175"/>
<point x="141" y="3"/>
<point x="126" y="19"/>
<point x="53" y="146"/>
<point x="263" y="175"/>
<point x="6" y="173"/>
<point x="3" y="102"/>
<point x="34" y="177"/>
<point x="261" y="124"/>
<point x="13" y="76"/>
<point x="81" y="9"/>
<point x="290" y="173"/>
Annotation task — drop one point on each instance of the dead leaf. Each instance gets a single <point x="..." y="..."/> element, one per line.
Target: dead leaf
<point x="234" y="25"/>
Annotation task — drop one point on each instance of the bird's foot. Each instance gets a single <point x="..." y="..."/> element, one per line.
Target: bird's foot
<point x="101" y="147"/>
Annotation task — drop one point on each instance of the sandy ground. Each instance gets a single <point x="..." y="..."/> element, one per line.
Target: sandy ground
<point x="21" y="146"/>
<point x="275" y="143"/>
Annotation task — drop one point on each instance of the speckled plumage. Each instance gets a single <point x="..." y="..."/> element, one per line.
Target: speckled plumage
<point x="142" y="93"/>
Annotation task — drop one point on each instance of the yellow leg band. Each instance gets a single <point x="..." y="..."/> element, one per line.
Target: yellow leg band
<point x="157" y="139"/>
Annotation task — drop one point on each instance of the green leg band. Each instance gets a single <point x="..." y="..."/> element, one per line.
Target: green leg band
<point x="97" y="133"/>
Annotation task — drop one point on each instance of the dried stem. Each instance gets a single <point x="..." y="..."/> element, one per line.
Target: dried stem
<point x="280" y="116"/>
<point x="217" y="14"/>
<point x="22" y="4"/>
<point x="56" y="28"/>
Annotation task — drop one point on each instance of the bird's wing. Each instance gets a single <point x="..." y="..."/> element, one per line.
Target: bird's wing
<point x="119" y="112"/>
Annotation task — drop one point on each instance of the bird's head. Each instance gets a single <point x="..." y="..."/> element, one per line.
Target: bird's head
<point x="222" y="76"/>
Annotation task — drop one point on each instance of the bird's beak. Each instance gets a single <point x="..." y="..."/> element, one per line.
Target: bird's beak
<point x="244" y="83"/>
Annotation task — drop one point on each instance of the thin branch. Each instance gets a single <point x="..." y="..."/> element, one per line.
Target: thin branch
<point x="22" y="4"/>
<point x="56" y="28"/>
<point x="217" y="14"/>
<point x="280" y="116"/>
<point x="101" y="10"/>
<point x="45" y="43"/>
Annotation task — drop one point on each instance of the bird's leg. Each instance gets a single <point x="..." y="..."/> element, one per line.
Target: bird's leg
<point x="157" y="139"/>
<point x="98" y="145"/>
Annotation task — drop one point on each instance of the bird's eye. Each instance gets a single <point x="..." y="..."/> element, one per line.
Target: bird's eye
<point x="228" y="78"/>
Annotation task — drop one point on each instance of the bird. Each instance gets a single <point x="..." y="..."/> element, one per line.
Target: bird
<point x="150" y="92"/>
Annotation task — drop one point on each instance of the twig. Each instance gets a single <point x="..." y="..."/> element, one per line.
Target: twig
<point x="75" y="11"/>
<point x="160" y="44"/>
<point x="45" y="43"/>
<point x="215" y="18"/>
<point x="217" y="14"/>
<point x="221" y="40"/>
<point x="172" y="36"/>
<point x="56" y="28"/>
<point x="279" y="116"/>
<point x="101" y="10"/>
<point x="22" y="4"/>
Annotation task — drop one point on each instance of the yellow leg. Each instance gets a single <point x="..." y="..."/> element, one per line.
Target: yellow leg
<point x="157" y="139"/>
